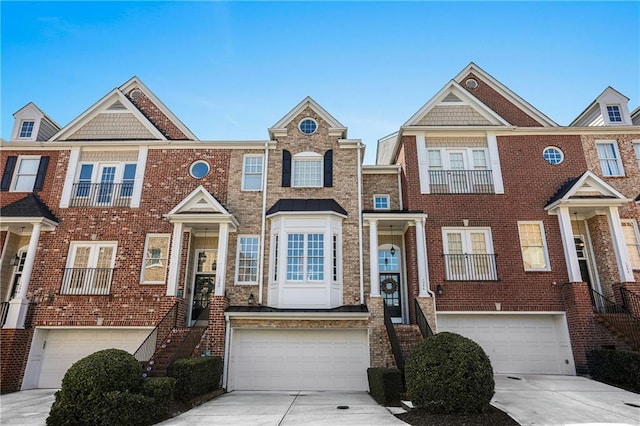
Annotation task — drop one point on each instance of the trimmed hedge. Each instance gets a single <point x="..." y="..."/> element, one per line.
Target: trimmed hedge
<point x="385" y="385"/>
<point x="196" y="376"/>
<point x="618" y="368"/>
<point x="161" y="389"/>
<point x="448" y="373"/>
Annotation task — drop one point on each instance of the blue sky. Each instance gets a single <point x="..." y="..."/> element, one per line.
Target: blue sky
<point x="231" y="70"/>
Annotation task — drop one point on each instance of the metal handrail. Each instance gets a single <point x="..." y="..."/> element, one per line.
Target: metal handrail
<point x="461" y="182"/>
<point x="96" y="281"/>
<point x="471" y="267"/>
<point x="630" y="301"/>
<point x="158" y="335"/>
<point x="618" y="316"/>
<point x="393" y="339"/>
<point x="421" y="319"/>
<point x="105" y="194"/>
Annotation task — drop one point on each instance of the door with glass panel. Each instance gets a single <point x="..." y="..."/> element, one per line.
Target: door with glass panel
<point x="458" y="175"/>
<point x="204" y="281"/>
<point x="468" y="255"/>
<point x="91" y="269"/>
<point x="390" y="290"/>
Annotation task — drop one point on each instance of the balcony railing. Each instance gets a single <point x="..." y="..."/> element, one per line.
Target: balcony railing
<point x="471" y="267"/>
<point x="3" y="313"/>
<point x="87" y="281"/>
<point x="106" y="194"/>
<point x="461" y="182"/>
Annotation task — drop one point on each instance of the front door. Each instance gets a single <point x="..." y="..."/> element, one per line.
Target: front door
<point x="203" y="285"/>
<point x="17" y="274"/>
<point x="390" y="290"/>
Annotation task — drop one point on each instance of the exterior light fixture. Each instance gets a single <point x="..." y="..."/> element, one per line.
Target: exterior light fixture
<point x="251" y="299"/>
<point x="15" y="260"/>
<point x="439" y="290"/>
<point x="393" y="248"/>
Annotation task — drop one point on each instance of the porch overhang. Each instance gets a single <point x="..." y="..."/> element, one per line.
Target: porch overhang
<point x="13" y="223"/>
<point x="584" y="205"/>
<point x="347" y="312"/>
<point x="204" y="219"/>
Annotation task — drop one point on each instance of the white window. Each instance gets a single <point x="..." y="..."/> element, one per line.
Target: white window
<point x="609" y="158"/>
<point x="247" y="259"/>
<point x="613" y="111"/>
<point x="632" y="241"/>
<point x="25" y="174"/>
<point x="104" y="184"/>
<point x="305" y="257"/>
<point x="155" y="261"/>
<point x="533" y="245"/>
<point x="463" y="170"/>
<point x="89" y="268"/>
<point x="252" y="173"/>
<point x="26" y="129"/>
<point x="381" y="202"/>
<point x="307" y="170"/>
<point x="636" y="150"/>
<point x="469" y="254"/>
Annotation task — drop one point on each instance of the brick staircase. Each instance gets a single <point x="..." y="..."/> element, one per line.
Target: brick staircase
<point x="168" y="350"/>
<point x="622" y="325"/>
<point x="408" y="336"/>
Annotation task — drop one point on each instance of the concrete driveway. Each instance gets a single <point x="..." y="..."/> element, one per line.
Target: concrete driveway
<point x="26" y="408"/>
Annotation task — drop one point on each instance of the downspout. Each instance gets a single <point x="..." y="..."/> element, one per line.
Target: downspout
<point x="264" y="220"/>
<point x="227" y="335"/>
<point x="360" y="223"/>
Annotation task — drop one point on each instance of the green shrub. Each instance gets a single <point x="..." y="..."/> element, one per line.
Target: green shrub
<point x="448" y="373"/>
<point x="102" y="389"/>
<point x="161" y="390"/>
<point x="196" y="376"/>
<point x="618" y="368"/>
<point x="385" y="385"/>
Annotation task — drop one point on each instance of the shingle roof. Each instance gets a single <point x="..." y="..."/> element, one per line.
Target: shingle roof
<point x="29" y="206"/>
<point x="564" y="188"/>
<point x="306" y="205"/>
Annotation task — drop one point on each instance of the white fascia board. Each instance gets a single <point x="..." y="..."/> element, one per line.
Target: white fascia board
<point x="350" y="143"/>
<point x="134" y="144"/>
<point x="47" y="224"/>
<point x="593" y="202"/>
<point x="45" y="115"/>
<point x="390" y="169"/>
<point x="393" y="216"/>
<point x="500" y="313"/>
<point x="311" y="316"/>
<point x="452" y="130"/>
<point x="335" y="127"/>
<point x="206" y="218"/>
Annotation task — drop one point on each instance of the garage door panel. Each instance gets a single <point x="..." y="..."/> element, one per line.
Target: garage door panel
<point x="299" y="360"/>
<point x="531" y="344"/>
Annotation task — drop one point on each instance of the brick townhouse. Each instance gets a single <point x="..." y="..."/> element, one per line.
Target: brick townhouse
<point x="297" y="263"/>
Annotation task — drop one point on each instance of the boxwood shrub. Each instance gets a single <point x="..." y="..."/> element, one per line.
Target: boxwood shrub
<point x="196" y="376"/>
<point x="385" y="385"/>
<point x="161" y="389"/>
<point x="618" y="368"/>
<point x="448" y="373"/>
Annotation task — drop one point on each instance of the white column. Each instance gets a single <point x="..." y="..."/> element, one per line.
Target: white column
<point x="569" y="245"/>
<point x="67" y="189"/>
<point x="421" y="250"/>
<point x="19" y="305"/>
<point x="423" y="163"/>
<point x="619" y="246"/>
<point x="494" y="158"/>
<point x="139" y="178"/>
<point x="221" y="270"/>
<point x="373" y="258"/>
<point x="174" y="262"/>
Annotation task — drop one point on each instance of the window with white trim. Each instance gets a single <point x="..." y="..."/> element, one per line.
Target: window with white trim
<point x="632" y="241"/>
<point x="636" y="151"/>
<point x="252" y="172"/>
<point x="459" y="170"/>
<point x="533" y="246"/>
<point x="469" y="254"/>
<point x="381" y="202"/>
<point x="104" y="184"/>
<point x="307" y="170"/>
<point x="155" y="260"/>
<point x="305" y="257"/>
<point x="89" y="268"/>
<point x="613" y="112"/>
<point x="26" y="129"/>
<point x="247" y="259"/>
<point x="25" y="174"/>
<point x="609" y="157"/>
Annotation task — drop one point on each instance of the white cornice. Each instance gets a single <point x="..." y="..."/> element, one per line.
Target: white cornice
<point x="307" y="316"/>
<point x="390" y="169"/>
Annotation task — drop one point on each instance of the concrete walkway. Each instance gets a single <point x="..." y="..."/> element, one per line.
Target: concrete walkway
<point x="565" y="400"/>
<point x="26" y="408"/>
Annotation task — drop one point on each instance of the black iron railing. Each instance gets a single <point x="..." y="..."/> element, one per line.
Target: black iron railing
<point x="617" y="316"/>
<point x="106" y="194"/>
<point x="3" y="313"/>
<point x="87" y="281"/>
<point x="158" y="335"/>
<point x="471" y="267"/>
<point x="630" y="301"/>
<point x="461" y="182"/>
<point x="423" y="324"/>
<point x="393" y="339"/>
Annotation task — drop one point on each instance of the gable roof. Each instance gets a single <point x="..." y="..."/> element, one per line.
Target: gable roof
<point x="335" y="127"/>
<point x="593" y="110"/>
<point x="505" y="92"/>
<point x="30" y="206"/>
<point x="200" y="206"/>
<point x="586" y="189"/>
<point x="453" y="93"/>
<point x="33" y="105"/>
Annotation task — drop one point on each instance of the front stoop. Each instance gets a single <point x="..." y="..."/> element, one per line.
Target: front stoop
<point x="161" y="359"/>
<point x="408" y="336"/>
<point x="617" y="323"/>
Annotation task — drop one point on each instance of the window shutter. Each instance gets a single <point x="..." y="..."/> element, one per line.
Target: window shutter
<point x="328" y="169"/>
<point x="8" y="172"/>
<point x="286" y="168"/>
<point x="42" y="171"/>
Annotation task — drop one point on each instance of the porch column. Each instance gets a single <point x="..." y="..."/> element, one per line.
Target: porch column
<point x="19" y="304"/>
<point x="421" y="250"/>
<point x="221" y="270"/>
<point x="373" y="258"/>
<point x="619" y="246"/>
<point x="174" y="262"/>
<point x="569" y="245"/>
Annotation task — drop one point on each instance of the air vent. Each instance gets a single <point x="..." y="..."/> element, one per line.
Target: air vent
<point x="471" y="83"/>
<point x="135" y="94"/>
<point x="451" y="98"/>
<point x="117" y="106"/>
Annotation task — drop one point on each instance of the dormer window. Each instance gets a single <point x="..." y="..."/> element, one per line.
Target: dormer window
<point x="614" y="113"/>
<point x="26" y="129"/>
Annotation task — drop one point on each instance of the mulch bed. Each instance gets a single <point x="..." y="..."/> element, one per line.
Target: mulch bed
<point x="492" y="416"/>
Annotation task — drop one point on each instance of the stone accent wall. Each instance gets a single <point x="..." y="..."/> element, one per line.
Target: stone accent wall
<point x="379" y="344"/>
<point x="112" y="126"/>
<point x="450" y="115"/>
<point x="380" y="184"/>
<point x="14" y="352"/>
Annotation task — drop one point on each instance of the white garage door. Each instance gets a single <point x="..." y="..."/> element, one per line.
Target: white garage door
<point x="299" y="360"/>
<point x="64" y="347"/>
<point x="525" y="344"/>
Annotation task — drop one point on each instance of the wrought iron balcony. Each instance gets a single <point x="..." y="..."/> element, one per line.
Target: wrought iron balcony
<point x="106" y="194"/>
<point x="461" y="182"/>
<point x="85" y="281"/>
<point x="471" y="267"/>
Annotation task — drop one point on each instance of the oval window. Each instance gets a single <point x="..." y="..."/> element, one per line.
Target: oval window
<point x="553" y="155"/>
<point x="308" y="126"/>
<point x="199" y="169"/>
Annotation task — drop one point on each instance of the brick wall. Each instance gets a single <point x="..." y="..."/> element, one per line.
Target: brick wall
<point x="13" y="357"/>
<point x="156" y="116"/>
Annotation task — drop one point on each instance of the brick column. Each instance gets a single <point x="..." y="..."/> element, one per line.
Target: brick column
<point x="379" y="345"/>
<point x="580" y="321"/>
<point x="217" y="327"/>
<point x="13" y="358"/>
